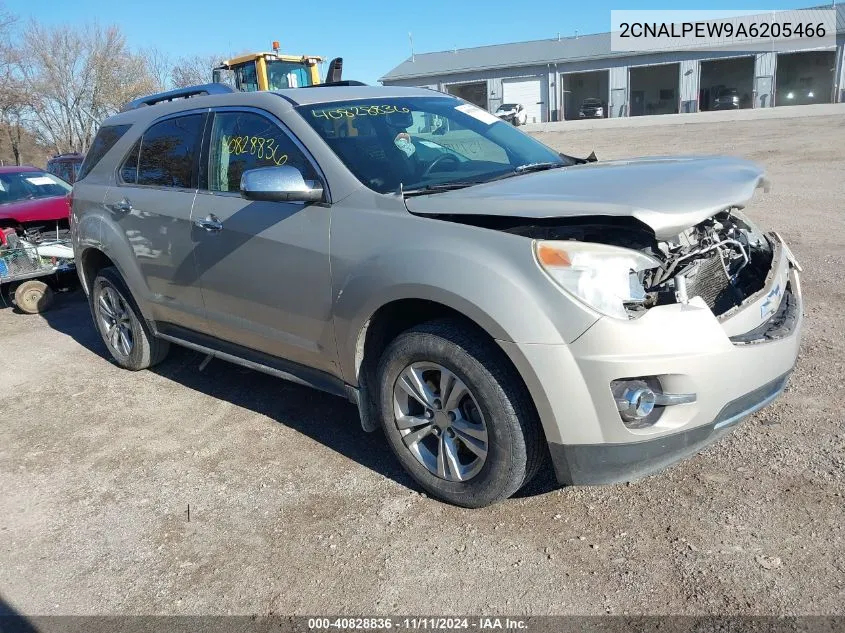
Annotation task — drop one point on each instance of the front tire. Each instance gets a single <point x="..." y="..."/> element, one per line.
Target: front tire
<point x="122" y="328"/>
<point x="457" y="415"/>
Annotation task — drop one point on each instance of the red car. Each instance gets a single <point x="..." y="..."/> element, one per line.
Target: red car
<point x="31" y="198"/>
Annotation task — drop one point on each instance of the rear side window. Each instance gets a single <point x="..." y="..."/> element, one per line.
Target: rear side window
<point x="166" y="155"/>
<point x="106" y="137"/>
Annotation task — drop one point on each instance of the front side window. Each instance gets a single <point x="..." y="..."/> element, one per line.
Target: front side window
<point x="30" y="185"/>
<point x="423" y="141"/>
<point x="281" y="75"/>
<point x="166" y="154"/>
<point x="245" y="140"/>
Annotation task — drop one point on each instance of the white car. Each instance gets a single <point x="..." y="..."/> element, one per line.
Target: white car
<point x="512" y="113"/>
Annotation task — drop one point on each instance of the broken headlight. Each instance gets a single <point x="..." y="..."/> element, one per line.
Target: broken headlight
<point x="606" y="278"/>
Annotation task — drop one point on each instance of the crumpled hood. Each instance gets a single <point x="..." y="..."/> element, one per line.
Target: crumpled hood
<point x="668" y="194"/>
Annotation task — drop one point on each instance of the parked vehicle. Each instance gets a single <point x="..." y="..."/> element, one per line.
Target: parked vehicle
<point x="31" y="198"/>
<point x="592" y="109"/>
<point x="482" y="298"/>
<point x="513" y="113"/>
<point x="798" y="95"/>
<point x="726" y="99"/>
<point x="66" y="166"/>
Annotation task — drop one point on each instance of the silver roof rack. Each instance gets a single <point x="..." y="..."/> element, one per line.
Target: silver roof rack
<point x="178" y="93"/>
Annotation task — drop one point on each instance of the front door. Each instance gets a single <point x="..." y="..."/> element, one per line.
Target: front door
<point x="263" y="266"/>
<point x="763" y="92"/>
<point x="156" y="187"/>
<point x="618" y="102"/>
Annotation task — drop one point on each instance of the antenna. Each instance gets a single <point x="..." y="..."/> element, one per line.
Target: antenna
<point x="576" y="34"/>
<point x="558" y="36"/>
<point x="411" y="40"/>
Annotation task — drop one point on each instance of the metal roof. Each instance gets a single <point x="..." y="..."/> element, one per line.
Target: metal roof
<point x="532" y="53"/>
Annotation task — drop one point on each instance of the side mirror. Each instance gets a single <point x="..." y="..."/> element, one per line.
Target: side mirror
<point x="279" y="184"/>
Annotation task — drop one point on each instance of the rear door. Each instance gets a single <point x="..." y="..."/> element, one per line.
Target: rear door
<point x="155" y="189"/>
<point x="264" y="271"/>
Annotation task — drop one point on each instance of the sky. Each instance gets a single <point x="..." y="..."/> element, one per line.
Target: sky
<point x="370" y="35"/>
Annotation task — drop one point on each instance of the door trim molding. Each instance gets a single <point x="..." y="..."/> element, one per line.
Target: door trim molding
<point x="253" y="359"/>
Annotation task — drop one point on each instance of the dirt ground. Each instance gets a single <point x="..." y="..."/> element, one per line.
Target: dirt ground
<point x="294" y="510"/>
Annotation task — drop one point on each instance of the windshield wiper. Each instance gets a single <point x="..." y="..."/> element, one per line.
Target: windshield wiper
<point x="461" y="184"/>
<point x="524" y="169"/>
<point x="440" y="187"/>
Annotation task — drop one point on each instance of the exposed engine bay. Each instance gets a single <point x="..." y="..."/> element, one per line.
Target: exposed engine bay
<point x="723" y="260"/>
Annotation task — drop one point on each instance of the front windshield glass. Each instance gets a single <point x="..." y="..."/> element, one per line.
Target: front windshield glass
<point x="507" y="106"/>
<point x="30" y="185"/>
<point x="281" y="75"/>
<point x="423" y="142"/>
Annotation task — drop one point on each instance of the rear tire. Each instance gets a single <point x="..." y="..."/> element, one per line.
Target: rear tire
<point x="470" y="436"/>
<point x="121" y="325"/>
<point x="33" y="297"/>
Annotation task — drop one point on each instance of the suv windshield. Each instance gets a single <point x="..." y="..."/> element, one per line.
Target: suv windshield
<point x="422" y="142"/>
<point x="30" y="185"/>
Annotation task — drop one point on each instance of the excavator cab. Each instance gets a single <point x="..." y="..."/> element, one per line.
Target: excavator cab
<point x="269" y="71"/>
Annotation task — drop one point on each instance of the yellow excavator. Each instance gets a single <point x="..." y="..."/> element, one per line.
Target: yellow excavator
<point x="275" y="71"/>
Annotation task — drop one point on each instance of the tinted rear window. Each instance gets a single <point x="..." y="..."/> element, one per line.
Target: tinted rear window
<point x="169" y="152"/>
<point x="106" y="137"/>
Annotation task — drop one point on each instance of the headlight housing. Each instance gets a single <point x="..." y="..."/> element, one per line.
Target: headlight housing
<point x="606" y="278"/>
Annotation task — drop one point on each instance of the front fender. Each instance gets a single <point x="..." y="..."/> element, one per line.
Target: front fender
<point x="486" y="275"/>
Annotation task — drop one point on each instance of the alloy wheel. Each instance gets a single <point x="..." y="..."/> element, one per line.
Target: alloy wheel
<point x="116" y="320"/>
<point x="440" y="421"/>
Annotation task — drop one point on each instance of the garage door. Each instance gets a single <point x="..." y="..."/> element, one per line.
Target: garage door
<point x="526" y="91"/>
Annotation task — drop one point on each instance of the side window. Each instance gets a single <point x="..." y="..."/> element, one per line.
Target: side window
<point x="245" y="140"/>
<point x="245" y="77"/>
<point x="168" y="151"/>
<point x="106" y="137"/>
<point x="129" y="169"/>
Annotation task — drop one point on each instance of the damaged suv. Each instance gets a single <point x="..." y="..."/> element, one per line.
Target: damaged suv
<point x="484" y="300"/>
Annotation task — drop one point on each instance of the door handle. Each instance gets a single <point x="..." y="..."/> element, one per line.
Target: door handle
<point x="124" y="206"/>
<point x="210" y="223"/>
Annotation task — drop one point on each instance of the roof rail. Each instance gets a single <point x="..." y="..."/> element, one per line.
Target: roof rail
<point x="178" y="93"/>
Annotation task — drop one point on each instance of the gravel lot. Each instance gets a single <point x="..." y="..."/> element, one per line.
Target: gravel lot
<point x="294" y="510"/>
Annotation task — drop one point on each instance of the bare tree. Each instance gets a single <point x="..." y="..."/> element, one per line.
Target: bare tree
<point x="12" y="95"/>
<point x="159" y="66"/>
<point x="194" y="70"/>
<point x="76" y="77"/>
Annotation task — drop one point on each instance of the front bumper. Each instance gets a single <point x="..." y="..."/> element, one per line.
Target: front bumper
<point x="590" y="464"/>
<point x="733" y="369"/>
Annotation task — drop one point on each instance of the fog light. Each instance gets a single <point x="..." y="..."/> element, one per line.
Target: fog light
<point x="636" y="403"/>
<point x="641" y="401"/>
